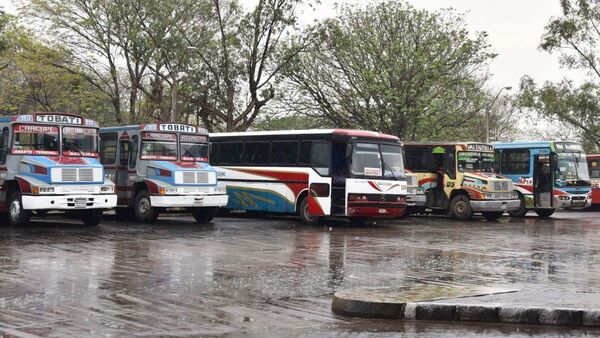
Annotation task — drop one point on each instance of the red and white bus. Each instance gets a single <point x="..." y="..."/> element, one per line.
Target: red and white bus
<point x="593" y="162"/>
<point x="315" y="173"/>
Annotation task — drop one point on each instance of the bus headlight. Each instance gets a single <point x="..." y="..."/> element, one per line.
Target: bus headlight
<point x="515" y="195"/>
<point x="107" y="189"/>
<point x="46" y="190"/>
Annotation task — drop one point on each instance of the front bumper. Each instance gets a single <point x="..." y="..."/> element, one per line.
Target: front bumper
<point x="187" y="201"/>
<point x="495" y="205"/>
<point x="568" y="202"/>
<point x="416" y="200"/>
<point x="69" y="202"/>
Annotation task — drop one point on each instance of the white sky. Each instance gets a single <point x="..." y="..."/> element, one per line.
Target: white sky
<point x="514" y="29"/>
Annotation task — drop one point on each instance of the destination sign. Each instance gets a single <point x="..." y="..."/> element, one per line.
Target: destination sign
<point x="177" y="128"/>
<point x="193" y="138"/>
<point x="480" y="147"/>
<point x="79" y="131"/>
<point x="568" y="147"/>
<point x="66" y="119"/>
<point x="159" y="136"/>
<point x="29" y="128"/>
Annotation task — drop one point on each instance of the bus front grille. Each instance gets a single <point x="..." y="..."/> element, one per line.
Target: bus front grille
<point x="189" y="177"/>
<point x="69" y="175"/>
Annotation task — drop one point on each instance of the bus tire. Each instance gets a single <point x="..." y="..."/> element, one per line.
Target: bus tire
<point x="460" y="207"/>
<point x="142" y="208"/>
<point x="492" y="215"/>
<point x="204" y="215"/>
<point x="522" y="211"/>
<point x="91" y="217"/>
<point x="544" y="213"/>
<point x="304" y="215"/>
<point x="17" y="216"/>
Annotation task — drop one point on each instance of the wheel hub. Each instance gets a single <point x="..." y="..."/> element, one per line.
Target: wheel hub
<point x="144" y="206"/>
<point x="15" y="209"/>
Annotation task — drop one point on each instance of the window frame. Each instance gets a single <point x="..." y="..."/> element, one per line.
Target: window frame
<point x="503" y="163"/>
<point x="102" y="150"/>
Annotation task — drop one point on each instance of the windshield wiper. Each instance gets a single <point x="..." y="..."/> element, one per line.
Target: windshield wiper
<point x="72" y="146"/>
<point x="385" y="165"/>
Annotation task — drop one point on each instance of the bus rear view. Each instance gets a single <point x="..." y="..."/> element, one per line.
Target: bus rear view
<point x="315" y="173"/>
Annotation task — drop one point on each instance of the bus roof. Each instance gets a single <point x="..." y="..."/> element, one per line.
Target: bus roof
<point x="528" y="144"/>
<point x="159" y="127"/>
<point x="345" y="132"/>
<point x="442" y="143"/>
<point x="50" y="117"/>
<point x="593" y="156"/>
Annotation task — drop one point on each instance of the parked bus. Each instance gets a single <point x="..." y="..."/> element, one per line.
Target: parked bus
<point x="593" y="162"/>
<point x="459" y="178"/>
<point x="548" y="175"/>
<point x="349" y="173"/>
<point x="415" y="199"/>
<point x="160" y="166"/>
<point x="49" y="161"/>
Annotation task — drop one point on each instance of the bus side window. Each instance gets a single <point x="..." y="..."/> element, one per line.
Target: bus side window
<point x="450" y="162"/>
<point x="256" y="153"/>
<point x="108" y="148"/>
<point x="304" y="154"/>
<point x="124" y="152"/>
<point x="134" y="151"/>
<point x="231" y="153"/>
<point x="4" y="145"/>
<point x="320" y="158"/>
<point x="515" y="162"/>
<point x="497" y="161"/>
<point x="214" y="153"/>
<point x="284" y="152"/>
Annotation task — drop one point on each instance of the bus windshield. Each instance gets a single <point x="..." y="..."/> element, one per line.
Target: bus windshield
<point x="159" y="146"/>
<point x="572" y="167"/>
<point x="475" y="161"/>
<point x="77" y="141"/>
<point x="193" y="148"/>
<point x="377" y="160"/>
<point x="35" y="140"/>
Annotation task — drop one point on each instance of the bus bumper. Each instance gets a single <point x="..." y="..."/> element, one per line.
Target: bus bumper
<point x="379" y="210"/>
<point x="495" y="205"/>
<point x="188" y="201"/>
<point x="573" y="201"/>
<point x="416" y="200"/>
<point x="69" y="202"/>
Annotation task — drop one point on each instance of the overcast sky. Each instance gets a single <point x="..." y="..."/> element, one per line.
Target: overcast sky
<point x="514" y="28"/>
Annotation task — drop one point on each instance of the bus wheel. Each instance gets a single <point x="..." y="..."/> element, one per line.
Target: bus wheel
<point x="492" y="215"/>
<point x="143" y="210"/>
<point x="17" y="216"/>
<point x="204" y="215"/>
<point x="304" y="215"/>
<point x="522" y="211"/>
<point x="460" y="208"/>
<point x="91" y="217"/>
<point x="544" y="213"/>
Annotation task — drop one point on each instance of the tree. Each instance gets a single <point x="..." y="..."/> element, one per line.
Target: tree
<point x="575" y="37"/>
<point x="392" y="68"/>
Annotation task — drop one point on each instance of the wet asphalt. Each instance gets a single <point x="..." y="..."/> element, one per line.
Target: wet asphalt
<point x="274" y="276"/>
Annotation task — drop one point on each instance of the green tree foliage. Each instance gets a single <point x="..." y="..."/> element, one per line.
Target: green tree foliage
<point x="575" y="37"/>
<point x="392" y="68"/>
<point x="29" y="81"/>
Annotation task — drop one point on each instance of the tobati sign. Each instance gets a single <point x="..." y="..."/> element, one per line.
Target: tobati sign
<point x="58" y="119"/>
<point x="480" y="147"/>
<point x="177" y="127"/>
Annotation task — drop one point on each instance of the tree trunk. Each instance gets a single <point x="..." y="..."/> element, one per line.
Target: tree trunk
<point x="174" y="100"/>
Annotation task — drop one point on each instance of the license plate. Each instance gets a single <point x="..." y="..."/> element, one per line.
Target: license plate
<point x="80" y="202"/>
<point x="578" y="204"/>
<point x="382" y="211"/>
<point x="198" y="202"/>
<point x="503" y="206"/>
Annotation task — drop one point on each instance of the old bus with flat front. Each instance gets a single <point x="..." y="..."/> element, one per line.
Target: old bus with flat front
<point x="459" y="178"/>
<point x="593" y="162"/>
<point x="314" y="173"/>
<point x="49" y="161"/>
<point x="160" y="166"/>
<point x="548" y="175"/>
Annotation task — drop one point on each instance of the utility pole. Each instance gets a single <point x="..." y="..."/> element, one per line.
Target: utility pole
<point x="487" y="114"/>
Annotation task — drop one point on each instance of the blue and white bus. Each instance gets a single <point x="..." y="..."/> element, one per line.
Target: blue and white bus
<point x="547" y="175"/>
<point x="160" y="166"/>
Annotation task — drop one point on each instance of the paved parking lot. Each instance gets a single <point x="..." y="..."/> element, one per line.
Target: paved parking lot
<point x="274" y="276"/>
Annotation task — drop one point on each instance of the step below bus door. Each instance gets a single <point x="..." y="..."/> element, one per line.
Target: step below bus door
<point x="319" y="196"/>
<point x="543" y="181"/>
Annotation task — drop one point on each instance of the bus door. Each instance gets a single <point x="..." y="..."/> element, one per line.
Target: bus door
<point x="319" y="183"/>
<point x="542" y="181"/>
<point x="122" y="184"/>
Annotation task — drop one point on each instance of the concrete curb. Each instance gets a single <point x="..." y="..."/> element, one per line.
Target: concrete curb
<point x="460" y="310"/>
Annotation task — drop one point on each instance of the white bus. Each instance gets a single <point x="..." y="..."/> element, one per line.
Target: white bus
<point x="315" y="173"/>
<point x="49" y="161"/>
<point x="159" y="166"/>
